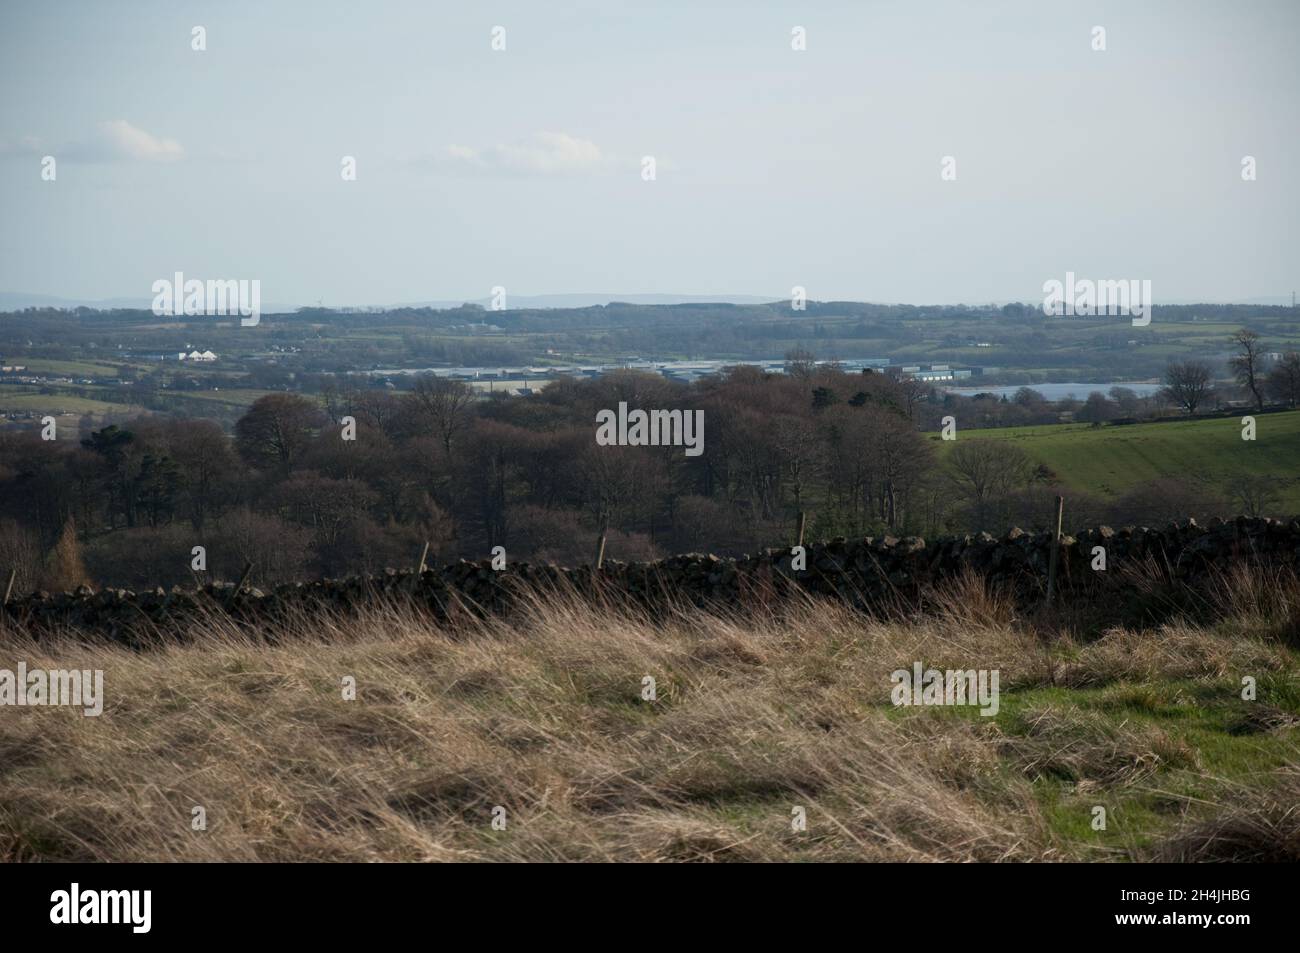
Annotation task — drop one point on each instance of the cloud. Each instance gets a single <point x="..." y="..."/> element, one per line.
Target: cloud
<point x="23" y="146"/>
<point x="118" y="139"/>
<point x="113" y="140"/>
<point x="545" y="153"/>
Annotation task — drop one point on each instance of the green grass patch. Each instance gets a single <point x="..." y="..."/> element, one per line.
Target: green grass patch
<point x="1152" y="753"/>
<point x="1111" y="460"/>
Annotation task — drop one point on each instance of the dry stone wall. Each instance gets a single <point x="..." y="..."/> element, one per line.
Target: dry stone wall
<point x="861" y="571"/>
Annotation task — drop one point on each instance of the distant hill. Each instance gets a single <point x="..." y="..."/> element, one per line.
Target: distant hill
<point x="515" y="302"/>
<point x="16" y="300"/>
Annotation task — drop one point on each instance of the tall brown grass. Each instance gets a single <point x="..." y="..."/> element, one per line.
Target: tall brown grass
<point x="755" y="715"/>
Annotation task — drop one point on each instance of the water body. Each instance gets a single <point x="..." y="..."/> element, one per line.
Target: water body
<point x="1057" y="391"/>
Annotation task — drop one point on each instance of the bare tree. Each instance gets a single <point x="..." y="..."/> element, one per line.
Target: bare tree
<point x="913" y="392"/>
<point x="798" y="448"/>
<point x="1126" y="400"/>
<point x="203" y="454"/>
<point x="1283" y="381"/>
<point x="903" y="457"/>
<point x="1188" y="384"/>
<point x="1096" y="409"/>
<point x="985" y="471"/>
<point x="276" y="430"/>
<point x="1256" y="494"/>
<point x="800" y="363"/>
<point x="1246" y="365"/>
<point x="339" y="394"/>
<point x="1029" y="398"/>
<point x="445" y="404"/>
<point x="380" y="408"/>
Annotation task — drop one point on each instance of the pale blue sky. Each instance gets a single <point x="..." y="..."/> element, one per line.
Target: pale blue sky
<point x="776" y="168"/>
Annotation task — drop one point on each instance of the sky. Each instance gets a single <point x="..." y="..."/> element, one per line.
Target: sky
<point x="522" y="167"/>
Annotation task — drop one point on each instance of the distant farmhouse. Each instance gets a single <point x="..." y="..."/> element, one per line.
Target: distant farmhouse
<point x="482" y="327"/>
<point x="205" y="356"/>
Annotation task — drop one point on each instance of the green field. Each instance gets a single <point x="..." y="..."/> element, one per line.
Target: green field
<point x="1109" y="461"/>
<point x="59" y="404"/>
<point x="101" y="400"/>
<point x="40" y="365"/>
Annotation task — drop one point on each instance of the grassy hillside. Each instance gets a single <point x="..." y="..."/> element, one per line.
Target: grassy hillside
<point x="1110" y="460"/>
<point x="753" y="718"/>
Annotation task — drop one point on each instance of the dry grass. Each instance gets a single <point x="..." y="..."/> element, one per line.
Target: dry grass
<point x="542" y="714"/>
<point x="1263" y="826"/>
<point x="1090" y="749"/>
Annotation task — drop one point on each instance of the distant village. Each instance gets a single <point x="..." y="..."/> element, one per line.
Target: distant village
<point x="524" y="380"/>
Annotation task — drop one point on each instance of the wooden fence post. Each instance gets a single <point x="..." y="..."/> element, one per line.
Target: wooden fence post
<point x="1056" y="546"/>
<point x="600" y="543"/>
<point x="419" y="570"/>
<point x="239" y="587"/>
<point x="803" y="522"/>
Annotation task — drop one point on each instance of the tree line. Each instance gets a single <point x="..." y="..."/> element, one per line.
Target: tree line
<point x="360" y="477"/>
